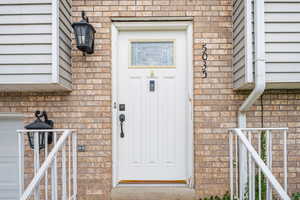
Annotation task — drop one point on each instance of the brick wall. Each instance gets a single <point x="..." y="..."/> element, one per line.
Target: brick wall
<point x="87" y="107"/>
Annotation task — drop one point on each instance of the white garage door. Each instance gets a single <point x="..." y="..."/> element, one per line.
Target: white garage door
<point x="9" y="161"/>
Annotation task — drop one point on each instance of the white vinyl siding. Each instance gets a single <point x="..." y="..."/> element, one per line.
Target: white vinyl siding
<point x="26" y="45"/>
<point x="282" y="44"/>
<point x="282" y="26"/>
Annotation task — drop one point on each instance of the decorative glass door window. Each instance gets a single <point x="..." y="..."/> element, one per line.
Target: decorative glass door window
<point x="152" y="54"/>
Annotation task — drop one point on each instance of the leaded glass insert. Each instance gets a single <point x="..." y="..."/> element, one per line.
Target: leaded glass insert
<point x="152" y="53"/>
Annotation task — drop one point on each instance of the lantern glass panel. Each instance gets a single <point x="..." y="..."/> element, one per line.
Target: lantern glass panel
<point x="81" y="30"/>
<point x="41" y="136"/>
<point x="91" y="34"/>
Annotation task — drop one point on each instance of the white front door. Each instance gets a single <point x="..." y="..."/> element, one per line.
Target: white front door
<point x="153" y="96"/>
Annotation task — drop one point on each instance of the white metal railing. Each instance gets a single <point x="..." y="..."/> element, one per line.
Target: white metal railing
<point x="250" y="139"/>
<point x="64" y="145"/>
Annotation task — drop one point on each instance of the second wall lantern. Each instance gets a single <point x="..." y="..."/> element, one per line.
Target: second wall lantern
<point x="39" y="124"/>
<point x="84" y="34"/>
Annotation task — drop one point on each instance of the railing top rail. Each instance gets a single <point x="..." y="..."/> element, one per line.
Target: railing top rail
<point x="45" y="130"/>
<point x="258" y="129"/>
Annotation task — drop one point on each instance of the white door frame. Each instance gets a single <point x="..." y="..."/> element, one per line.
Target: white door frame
<point x="173" y="25"/>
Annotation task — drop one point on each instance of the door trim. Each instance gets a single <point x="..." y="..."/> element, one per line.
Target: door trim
<point x="187" y="26"/>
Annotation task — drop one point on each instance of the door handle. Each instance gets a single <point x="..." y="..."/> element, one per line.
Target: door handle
<point x="122" y="119"/>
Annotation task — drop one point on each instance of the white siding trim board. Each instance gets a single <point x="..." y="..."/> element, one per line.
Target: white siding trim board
<point x="249" y="78"/>
<point x="55" y="41"/>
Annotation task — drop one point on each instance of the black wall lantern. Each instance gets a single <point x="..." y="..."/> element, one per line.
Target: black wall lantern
<point x="84" y="34"/>
<point x="39" y="124"/>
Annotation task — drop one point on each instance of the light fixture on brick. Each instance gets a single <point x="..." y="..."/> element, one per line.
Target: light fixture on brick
<point x="37" y="125"/>
<point x="84" y="34"/>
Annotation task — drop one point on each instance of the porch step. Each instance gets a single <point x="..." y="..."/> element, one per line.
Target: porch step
<point x="152" y="193"/>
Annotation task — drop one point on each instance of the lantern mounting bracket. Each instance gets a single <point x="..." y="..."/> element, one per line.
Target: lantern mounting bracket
<point x="84" y="16"/>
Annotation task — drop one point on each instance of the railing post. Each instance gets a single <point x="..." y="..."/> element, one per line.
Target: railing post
<point x="236" y="168"/>
<point x="259" y="170"/>
<point x="46" y="173"/>
<point x="69" y="168"/>
<point x="54" y="173"/>
<point x="231" y="164"/>
<point x="285" y="160"/>
<point x="269" y="163"/>
<point x="36" y="162"/>
<point x="21" y="163"/>
<point x="74" y="152"/>
<point x="250" y="190"/>
<point x="243" y="167"/>
<point x="64" y="173"/>
<point x="243" y="170"/>
<point x="253" y="178"/>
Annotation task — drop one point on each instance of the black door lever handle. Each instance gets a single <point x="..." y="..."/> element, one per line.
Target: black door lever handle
<point x="122" y="119"/>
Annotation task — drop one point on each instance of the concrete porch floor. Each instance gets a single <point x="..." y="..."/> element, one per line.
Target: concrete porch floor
<point x="152" y="193"/>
